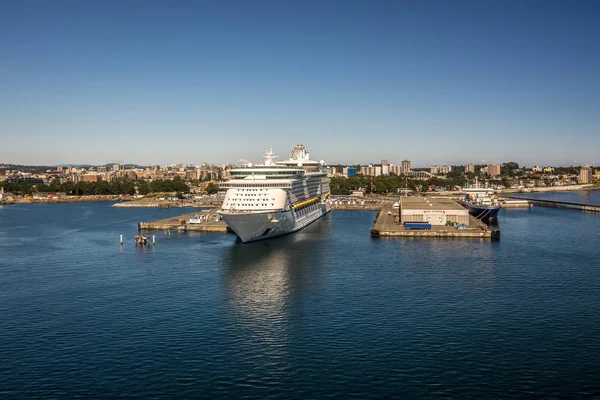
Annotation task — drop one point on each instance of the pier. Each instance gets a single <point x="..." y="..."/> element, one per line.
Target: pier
<point x="560" y="204"/>
<point x="515" y="203"/>
<point x="181" y="223"/>
<point x="389" y="224"/>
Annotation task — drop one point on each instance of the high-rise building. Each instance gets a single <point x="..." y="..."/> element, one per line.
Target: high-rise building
<point x="395" y="169"/>
<point x="493" y="169"/>
<point x="405" y="166"/>
<point x="385" y="167"/>
<point x="585" y="174"/>
<point x="440" y="169"/>
<point x="469" y="168"/>
<point x="370" y="170"/>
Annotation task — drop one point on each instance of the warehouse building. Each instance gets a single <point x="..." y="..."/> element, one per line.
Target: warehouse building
<point x="435" y="211"/>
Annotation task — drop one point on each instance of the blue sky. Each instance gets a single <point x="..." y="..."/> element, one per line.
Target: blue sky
<point x="436" y="82"/>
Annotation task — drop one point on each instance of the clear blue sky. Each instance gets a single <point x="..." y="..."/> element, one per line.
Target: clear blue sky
<point x="436" y="82"/>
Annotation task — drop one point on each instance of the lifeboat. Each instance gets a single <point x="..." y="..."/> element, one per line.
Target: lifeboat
<point x="305" y="203"/>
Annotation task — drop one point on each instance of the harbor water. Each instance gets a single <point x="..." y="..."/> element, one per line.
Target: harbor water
<point x="327" y="312"/>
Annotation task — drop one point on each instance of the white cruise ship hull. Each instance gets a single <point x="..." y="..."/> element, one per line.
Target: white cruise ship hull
<point x="252" y="226"/>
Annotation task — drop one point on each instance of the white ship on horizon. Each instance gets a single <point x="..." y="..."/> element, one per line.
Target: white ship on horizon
<point x="276" y="197"/>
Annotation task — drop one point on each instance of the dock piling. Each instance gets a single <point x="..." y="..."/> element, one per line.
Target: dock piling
<point x="153" y="240"/>
<point x="121" y="239"/>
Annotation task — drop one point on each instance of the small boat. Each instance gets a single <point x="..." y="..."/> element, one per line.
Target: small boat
<point x="141" y="239"/>
<point x="195" y="220"/>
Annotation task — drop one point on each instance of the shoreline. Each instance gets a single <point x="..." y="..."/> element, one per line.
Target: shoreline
<point x="127" y="202"/>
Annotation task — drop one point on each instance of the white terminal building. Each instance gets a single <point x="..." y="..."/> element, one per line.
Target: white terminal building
<point x="435" y="211"/>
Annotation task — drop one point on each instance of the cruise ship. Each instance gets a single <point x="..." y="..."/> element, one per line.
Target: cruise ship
<point x="276" y="197"/>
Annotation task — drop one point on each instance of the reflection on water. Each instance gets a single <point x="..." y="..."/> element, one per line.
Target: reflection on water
<point x="257" y="280"/>
<point x="260" y="276"/>
<point x="263" y="283"/>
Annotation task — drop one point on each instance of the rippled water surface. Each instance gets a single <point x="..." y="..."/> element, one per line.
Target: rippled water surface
<point x="327" y="312"/>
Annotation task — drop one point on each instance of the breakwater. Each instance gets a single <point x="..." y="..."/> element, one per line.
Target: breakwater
<point x="165" y="204"/>
<point x="561" y="204"/>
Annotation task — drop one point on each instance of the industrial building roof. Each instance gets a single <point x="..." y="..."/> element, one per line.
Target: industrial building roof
<point x="432" y="203"/>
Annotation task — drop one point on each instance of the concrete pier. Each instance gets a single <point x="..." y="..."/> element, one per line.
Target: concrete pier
<point x="516" y="204"/>
<point x="389" y="224"/>
<point x="560" y="204"/>
<point x="181" y="223"/>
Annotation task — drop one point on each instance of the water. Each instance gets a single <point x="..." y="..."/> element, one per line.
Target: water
<point x="327" y="312"/>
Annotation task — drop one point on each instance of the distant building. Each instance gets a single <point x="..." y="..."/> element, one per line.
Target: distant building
<point x="26" y="179"/>
<point x="469" y="168"/>
<point x="395" y="169"/>
<point x="385" y="167"/>
<point x="440" y="169"/>
<point x="191" y="175"/>
<point x="419" y="175"/>
<point x="537" y="168"/>
<point x="348" y="172"/>
<point x="405" y="166"/>
<point x="493" y="169"/>
<point x="92" y="177"/>
<point x="585" y="174"/>
<point x="370" y="170"/>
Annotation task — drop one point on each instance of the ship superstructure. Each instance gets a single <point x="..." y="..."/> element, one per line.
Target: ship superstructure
<point x="481" y="202"/>
<point x="276" y="197"/>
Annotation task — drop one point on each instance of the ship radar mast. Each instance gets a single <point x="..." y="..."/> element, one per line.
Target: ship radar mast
<point x="270" y="157"/>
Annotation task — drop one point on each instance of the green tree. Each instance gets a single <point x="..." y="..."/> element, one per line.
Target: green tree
<point x="143" y="187"/>
<point x="212" y="188"/>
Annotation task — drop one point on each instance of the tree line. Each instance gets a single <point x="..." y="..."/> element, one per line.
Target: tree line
<point x="386" y="184"/>
<point x="121" y="186"/>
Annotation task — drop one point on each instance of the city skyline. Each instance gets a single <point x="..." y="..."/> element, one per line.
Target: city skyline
<point x="404" y="165"/>
<point x="439" y="83"/>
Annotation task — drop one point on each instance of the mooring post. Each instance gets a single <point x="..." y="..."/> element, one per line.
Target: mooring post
<point x="153" y="239"/>
<point x="121" y="239"/>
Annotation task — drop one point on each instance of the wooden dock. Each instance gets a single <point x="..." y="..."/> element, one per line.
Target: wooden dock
<point x="181" y="223"/>
<point x="387" y="225"/>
